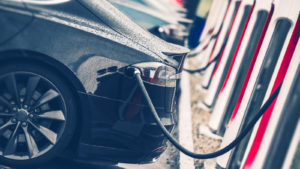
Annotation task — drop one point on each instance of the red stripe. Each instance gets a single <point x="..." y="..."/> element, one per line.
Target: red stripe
<point x="237" y="49"/>
<point x="280" y="76"/>
<point x="177" y="2"/>
<point x="225" y="45"/>
<point x="253" y="61"/>
<point x="180" y="3"/>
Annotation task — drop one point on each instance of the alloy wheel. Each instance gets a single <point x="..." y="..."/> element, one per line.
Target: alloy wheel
<point x="32" y="115"/>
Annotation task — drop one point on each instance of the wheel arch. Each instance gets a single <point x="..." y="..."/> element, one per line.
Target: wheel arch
<point x="65" y="72"/>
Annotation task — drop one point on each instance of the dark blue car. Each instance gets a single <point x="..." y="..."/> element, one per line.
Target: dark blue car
<point x="66" y="89"/>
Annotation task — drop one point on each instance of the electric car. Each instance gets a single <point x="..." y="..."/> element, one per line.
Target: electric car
<point x="66" y="83"/>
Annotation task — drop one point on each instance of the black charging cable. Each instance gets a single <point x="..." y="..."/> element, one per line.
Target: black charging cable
<point x="202" y="69"/>
<point x="220" y="152"/>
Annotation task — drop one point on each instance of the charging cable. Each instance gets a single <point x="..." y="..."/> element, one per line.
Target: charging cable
<point x="220" y="152"/>
<point x="202" y="69"/>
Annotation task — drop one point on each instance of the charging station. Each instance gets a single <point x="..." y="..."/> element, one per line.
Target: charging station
<point x="239" y="67"/>
<point x="291" y="62"/>
<point x="271" y="54"/>
<point x="209" y="25"/>
<point x="205" y="55"/>
<point x="221" y="41"/>
<point x="235" y="35"/>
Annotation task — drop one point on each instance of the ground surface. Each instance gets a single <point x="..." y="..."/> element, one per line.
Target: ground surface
<point x="202" y="143"/>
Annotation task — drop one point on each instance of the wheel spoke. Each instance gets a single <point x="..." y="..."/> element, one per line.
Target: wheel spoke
<point x="12" y="143"/>
<point x="55" y="115"/>
<point x="50" y="135"/>
<point x="31" y="87"/>
<point x="11" y="85"/>
<point x="33" y="149"/>
<point x="5" y="102"/>
<point x="5" y="114"/>
<point x="48" y="96"/>
<point x="3" y="127"/>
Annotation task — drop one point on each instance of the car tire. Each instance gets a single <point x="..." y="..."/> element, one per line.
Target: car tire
<point x="41" y="113"/>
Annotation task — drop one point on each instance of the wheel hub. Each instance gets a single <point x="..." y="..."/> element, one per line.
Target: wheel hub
<point x="22" y="114"/>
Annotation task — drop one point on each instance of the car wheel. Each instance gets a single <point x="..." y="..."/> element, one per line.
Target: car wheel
<point x="37" y="114"/>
